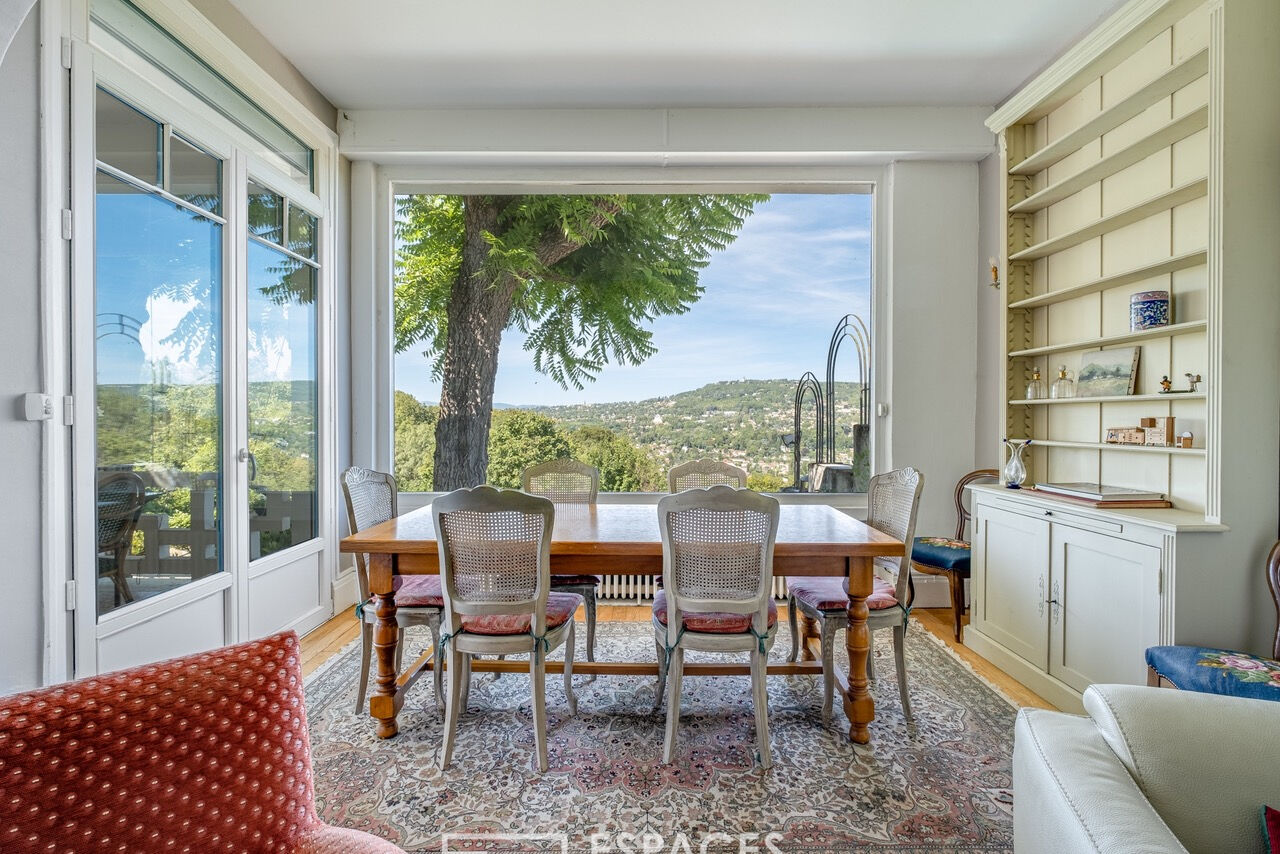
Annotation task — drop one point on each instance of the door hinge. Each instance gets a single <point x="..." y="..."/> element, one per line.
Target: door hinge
<point x="68" y="410"/>
<point x="66" y="223"/>
<point x="71" y="596"/>
<point x="66" y="52"/>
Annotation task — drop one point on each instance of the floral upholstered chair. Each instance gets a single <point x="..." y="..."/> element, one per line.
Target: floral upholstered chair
<point x="203" y="753"/>
<point x="949" y="556"/>
<point x="1222" y="671"/>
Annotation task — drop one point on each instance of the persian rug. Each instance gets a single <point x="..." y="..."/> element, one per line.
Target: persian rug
<point x="940" y="783"/>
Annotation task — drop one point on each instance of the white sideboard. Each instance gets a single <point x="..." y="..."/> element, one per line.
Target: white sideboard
<point x="1063" y="595"/>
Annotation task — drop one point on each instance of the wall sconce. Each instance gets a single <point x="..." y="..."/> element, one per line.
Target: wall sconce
<point x="995" y="271"/>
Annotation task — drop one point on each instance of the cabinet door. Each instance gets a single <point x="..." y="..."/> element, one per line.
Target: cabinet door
<point x="1104" y="609"/>
<point x="1011" y="582"/>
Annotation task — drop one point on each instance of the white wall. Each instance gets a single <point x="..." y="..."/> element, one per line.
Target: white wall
<point x="20" y="441"/>
<point x="989" y="419"/>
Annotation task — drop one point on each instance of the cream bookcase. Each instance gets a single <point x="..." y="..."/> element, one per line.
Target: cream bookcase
<point x="1131" y="164"/>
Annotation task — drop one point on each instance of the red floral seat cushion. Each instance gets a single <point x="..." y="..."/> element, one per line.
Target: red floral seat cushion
<point x="204" y="753"/>
<point x="826" y="593"/>
<point x="710" y="622"/>
<point x="560" y="610"/>
<point x="562" y="580"/>
<point x="419" y="591"/>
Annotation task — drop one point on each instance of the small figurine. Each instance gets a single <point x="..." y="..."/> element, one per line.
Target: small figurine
<point x="1184" y="441"/>
<point x="1165" y="385"/>
<point x="1192" y="381"/>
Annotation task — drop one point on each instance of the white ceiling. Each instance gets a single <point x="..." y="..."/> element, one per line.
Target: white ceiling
<point x="381" y="54"/>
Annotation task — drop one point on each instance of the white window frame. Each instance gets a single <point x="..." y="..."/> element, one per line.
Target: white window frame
<point x="374" y="189"/>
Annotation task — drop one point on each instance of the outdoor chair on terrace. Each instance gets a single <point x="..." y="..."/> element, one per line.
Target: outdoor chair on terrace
<point x="121" y="496"/>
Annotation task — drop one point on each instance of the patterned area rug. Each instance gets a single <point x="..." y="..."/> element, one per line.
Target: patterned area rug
<point x="942" y="783"/>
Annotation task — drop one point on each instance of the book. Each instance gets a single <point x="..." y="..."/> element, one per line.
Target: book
<point x="1099" y="492"/>
<point x="1110" y="504"/>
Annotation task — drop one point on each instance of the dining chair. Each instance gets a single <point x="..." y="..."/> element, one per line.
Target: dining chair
<point x="949" y="557"/>
<point x="495" y="564"/>
<point x="569" y="482"/>
<point x="121" y="497"/>
<point x="892" y="501"/>
<point x="371" y="499"/>
<point x="698" y="474"/>
<point x="717" y="569"/>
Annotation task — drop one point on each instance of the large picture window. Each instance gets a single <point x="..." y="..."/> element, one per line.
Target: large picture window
<point x="659" y="329"/>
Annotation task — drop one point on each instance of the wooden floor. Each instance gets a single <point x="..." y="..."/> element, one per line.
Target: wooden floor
<point x="325" y="642"/>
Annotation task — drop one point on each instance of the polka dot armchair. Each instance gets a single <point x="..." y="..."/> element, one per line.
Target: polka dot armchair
<point x="204" y="753"/>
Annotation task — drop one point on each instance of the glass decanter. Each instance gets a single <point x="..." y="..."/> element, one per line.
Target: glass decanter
<point x="1035" y="388"/>
<point x="1015" y="471"/>
<point x="1063" y="386"/>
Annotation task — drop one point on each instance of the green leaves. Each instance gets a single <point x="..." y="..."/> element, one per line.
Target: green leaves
<point x="592" y="271"/>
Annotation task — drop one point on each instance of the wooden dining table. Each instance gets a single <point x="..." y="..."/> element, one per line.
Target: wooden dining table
<point x="623" y="539"/>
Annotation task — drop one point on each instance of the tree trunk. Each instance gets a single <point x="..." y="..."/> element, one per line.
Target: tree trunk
<point x="479" y="310"/>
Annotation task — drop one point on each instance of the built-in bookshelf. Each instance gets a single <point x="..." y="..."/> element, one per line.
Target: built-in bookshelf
<point x="1106" y="190"/>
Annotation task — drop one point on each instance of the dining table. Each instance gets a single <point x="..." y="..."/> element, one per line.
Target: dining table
<point x="624" y="539"/>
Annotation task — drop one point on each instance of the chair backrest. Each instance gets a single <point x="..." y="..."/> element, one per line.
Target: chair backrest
<point x="495" y="553"/>
<point x="562" y="481"/>
<point x="893" y="498"/>
<point x="371" y="499"/>
<point x="699" y="474"/>
<point x="717" y="552"/>
<point x="962" y="513"/>
<point x="1273" y="581"/>
<point x="121" y="496"/>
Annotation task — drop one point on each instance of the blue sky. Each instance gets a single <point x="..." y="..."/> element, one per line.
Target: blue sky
<point x="772" y="299"/>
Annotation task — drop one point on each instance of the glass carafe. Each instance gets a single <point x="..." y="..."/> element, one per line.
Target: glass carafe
<point x="1015" y="471"/>
<point x="1063" y="386"/>
<point x="1035" y="388"/>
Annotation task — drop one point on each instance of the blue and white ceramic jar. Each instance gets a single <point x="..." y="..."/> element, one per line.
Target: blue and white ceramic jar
<point x="1149" y="309"/>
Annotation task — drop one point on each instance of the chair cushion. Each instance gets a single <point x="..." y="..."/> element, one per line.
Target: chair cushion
<point x="575" y="580"/>
<point x="711" y="622"/>
<point x="942" y="552"/>
<point x="1217" y="671"/>
<point x="560" y="609"/>
<point x="418" y="591"/>
<point x="826" y="592"/>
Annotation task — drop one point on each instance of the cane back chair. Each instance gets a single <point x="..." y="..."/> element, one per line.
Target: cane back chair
<point x="121" y="496"/>
<point x="892" y="501"/>
<point x="699" y="474"/>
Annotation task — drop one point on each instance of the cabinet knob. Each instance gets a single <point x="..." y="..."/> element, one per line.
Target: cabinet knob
<point x="1048" y="512"/>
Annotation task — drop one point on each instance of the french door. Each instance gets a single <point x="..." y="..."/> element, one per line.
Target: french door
<point x="198" y="379"/>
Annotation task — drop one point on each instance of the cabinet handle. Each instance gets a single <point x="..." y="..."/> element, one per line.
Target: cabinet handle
<point x="1055" y="603"/>
<point x="1042" y="601"/>
<point x="1048" y="512"/>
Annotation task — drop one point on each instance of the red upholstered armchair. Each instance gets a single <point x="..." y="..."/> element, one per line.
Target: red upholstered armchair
<point x="203" y="753"/>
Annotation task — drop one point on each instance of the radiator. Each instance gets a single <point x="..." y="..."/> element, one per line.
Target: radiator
<point x="637" y="588"/>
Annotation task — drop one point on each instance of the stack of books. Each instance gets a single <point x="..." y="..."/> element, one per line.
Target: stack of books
<point x="1103" y="496"/>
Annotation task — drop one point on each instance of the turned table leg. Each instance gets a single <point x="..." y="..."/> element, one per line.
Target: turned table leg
<point x="382" y="704"/>
<point x="858" y="705"/>
<point x="808" y="631"/>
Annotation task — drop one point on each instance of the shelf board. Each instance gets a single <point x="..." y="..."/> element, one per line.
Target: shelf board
<point x="1167" y="135"/>
<point x="1103" y="446"/>
<point x="1112" y="398"/>
<point x="1166" y="84"/>
<point x="1163" y="202"/>
<point x="1107" y="340"/>
<point x="1128" y="277"/>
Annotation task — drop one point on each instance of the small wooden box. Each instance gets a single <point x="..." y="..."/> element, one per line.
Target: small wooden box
<point x="1125" y="436"/>
<point x="1158" y="431"/>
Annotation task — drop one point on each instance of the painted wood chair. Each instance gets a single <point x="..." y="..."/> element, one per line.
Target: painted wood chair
<point x="371" y="499"/>
<point x="717" y="568"/>
<point x="1223" y="671"/>
<point x="569" y="482"/>
<point x="892" y="501"/>
<point x="949" y="557"/>
<point x="699" y="474"/>
<point x="121" y="497"/>
<point x="495" y="564"/>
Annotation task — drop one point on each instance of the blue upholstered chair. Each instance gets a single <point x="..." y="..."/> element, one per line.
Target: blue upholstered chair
<point x="949" y="557"/>
<point x="1222" y="671"/>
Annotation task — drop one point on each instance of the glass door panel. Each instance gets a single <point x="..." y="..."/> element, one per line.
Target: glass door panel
<point x="282" y="368"/>
<point x="158" y="291"/>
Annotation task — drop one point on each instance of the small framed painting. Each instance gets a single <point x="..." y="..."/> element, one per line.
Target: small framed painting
<point x="1108" y="373"/>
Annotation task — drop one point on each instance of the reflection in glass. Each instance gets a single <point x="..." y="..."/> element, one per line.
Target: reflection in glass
<point x="282" y="362"/>
<point x="266" y="214"/>
<point x="302" y="232"/>
<point x="128" y="140"/>
<point x="195" y="176"/>
<point x="158" y="285"/>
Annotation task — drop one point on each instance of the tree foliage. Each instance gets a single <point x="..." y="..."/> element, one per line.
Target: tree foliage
<point x="520" y="439"/>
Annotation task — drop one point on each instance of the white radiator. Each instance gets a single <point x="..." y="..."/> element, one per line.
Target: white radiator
<point x="635" y="588"/>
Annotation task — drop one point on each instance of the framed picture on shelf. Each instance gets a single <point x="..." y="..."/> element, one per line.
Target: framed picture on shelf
<point x="1108" y="373"/>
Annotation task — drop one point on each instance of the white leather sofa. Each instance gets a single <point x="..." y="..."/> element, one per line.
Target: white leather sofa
<point x="1149" y="770"/>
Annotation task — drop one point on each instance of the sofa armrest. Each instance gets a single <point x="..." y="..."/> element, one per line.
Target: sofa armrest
<point x="1071" y="793"/>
